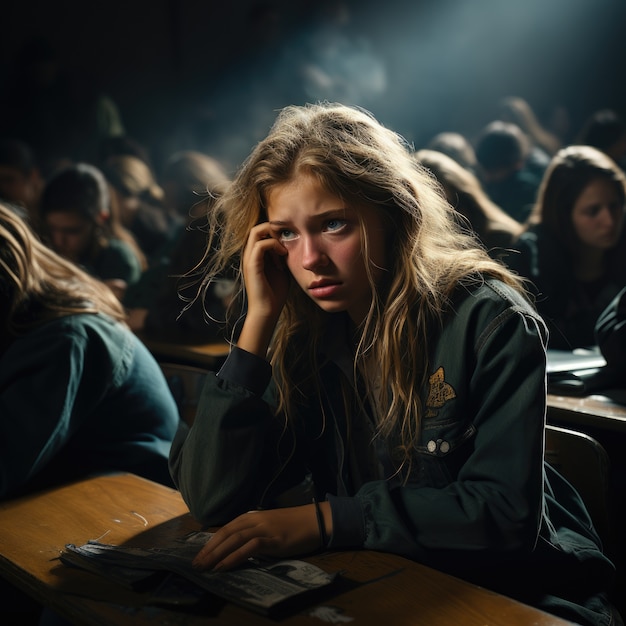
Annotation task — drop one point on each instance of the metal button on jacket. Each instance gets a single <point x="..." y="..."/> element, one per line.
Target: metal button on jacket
<point x="440" y="446"/>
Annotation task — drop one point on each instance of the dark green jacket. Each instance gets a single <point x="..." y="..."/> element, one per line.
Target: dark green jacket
<point x="478" y="501"/>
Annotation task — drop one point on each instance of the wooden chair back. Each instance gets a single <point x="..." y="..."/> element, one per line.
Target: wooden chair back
<point x="584" y="462"/>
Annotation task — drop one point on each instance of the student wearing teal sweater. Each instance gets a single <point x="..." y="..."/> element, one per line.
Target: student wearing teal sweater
<point x="79" y="394"/>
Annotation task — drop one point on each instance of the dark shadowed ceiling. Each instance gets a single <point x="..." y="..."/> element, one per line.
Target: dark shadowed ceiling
<point x="213" y="73"/>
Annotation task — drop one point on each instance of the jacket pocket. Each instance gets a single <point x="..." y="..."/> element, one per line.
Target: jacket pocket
<point x="444" y="450"/>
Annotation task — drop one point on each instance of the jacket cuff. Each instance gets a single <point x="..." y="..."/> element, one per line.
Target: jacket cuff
<point x="246" y="370"/>
<point x="348" y="522"/>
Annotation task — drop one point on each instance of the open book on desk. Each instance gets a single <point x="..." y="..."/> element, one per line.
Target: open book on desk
<point x="269" y="587"/>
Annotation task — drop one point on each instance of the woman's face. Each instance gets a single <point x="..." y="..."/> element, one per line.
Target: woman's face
<point x="70" y="234"/>
<point x="325" y="251"/>
<point x="598" y="214"/>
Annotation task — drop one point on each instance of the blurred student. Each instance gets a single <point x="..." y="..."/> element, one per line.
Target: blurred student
<point x="605" y="130"/>
<point x="518" y="111"/>
<point x="387" y="390"/>
<point x="574" y="246"/>
<point x="502" y="151"/>
<point x="20" y="179"/>
<point x="457" y="147"/>
<point x="165" y="303"/>
<point x="140" y="200"/>
<point x="496" y="230"/>
<point x="79" y="394"/>
<point x="80" y="225"/>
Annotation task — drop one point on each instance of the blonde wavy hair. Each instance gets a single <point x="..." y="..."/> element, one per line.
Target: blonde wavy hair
<point x="37" y="285"/>
<point x="430" y="255"/>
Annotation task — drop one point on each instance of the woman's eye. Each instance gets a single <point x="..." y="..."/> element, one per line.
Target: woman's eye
<point x="335" y="224"/>
<point x="286" y="235"/>
<point x="592" y="211"/>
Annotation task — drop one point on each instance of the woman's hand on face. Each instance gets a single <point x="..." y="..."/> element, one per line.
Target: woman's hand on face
<point x="265" y="274"/>
<point x="267" y="282"/>
<point x="276" y="533"/>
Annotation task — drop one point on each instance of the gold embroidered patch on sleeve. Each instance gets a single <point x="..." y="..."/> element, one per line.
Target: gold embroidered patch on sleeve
<point x="439" y="392"/>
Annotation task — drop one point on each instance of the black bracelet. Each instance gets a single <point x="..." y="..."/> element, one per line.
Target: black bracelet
<point x="320" y="524"/>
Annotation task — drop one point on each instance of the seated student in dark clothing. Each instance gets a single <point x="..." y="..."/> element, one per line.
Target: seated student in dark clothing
<point x="79" y="393"/>
<point x="503" y="151"/>
<point x="386" y="366"/>
<point x="574" y="248"/>
<point x="80" y="226"/>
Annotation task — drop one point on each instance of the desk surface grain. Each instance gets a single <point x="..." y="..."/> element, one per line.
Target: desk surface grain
<point x="127" y="509"/>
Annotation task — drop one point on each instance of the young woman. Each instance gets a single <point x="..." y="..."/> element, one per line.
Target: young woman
<point x="386" y="367"/>
<point x="574" y="247"/>
<point x="79" y="393"/>
<point x="81" y="225"/>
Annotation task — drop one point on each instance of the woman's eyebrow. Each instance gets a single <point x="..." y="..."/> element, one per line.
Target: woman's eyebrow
<point x="342" y="211"/>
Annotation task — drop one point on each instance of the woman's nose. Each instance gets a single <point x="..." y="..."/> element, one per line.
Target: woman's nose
<point x="609" y="216"/>
<point x="313" y="255"/>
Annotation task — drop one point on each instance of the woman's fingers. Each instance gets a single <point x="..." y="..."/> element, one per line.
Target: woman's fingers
<point x="265" y="274"/>
<point x="232" y="544"/>
<point x="276" y="533"/>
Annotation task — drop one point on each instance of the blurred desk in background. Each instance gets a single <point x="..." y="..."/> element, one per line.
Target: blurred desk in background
<point x="208" y="356"/>
<point x="583" y="393"/>
<point x="605" y="411"/>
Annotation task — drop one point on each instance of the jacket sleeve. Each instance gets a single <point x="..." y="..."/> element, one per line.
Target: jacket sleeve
<point x="494" y="503"/>
<point x="224" y="464"/>
<point x="610" y="331"/>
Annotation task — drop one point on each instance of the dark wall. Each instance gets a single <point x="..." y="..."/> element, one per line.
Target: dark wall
<point x="195" y="72"/>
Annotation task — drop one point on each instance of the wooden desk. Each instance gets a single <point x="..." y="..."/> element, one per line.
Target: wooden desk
<point x="598" y="411"/>
<point x="126" y="509"/>
<point x="210" y="355"/>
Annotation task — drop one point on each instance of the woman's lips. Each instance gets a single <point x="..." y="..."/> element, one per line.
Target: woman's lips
<point x="324" y="289"/>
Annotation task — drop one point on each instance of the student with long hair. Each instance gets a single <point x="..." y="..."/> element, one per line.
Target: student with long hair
<point x="574" y="245"/>
<point x="79" y="393"/>
<point x="494" y="228"/>
<point x="387" y="369"/>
